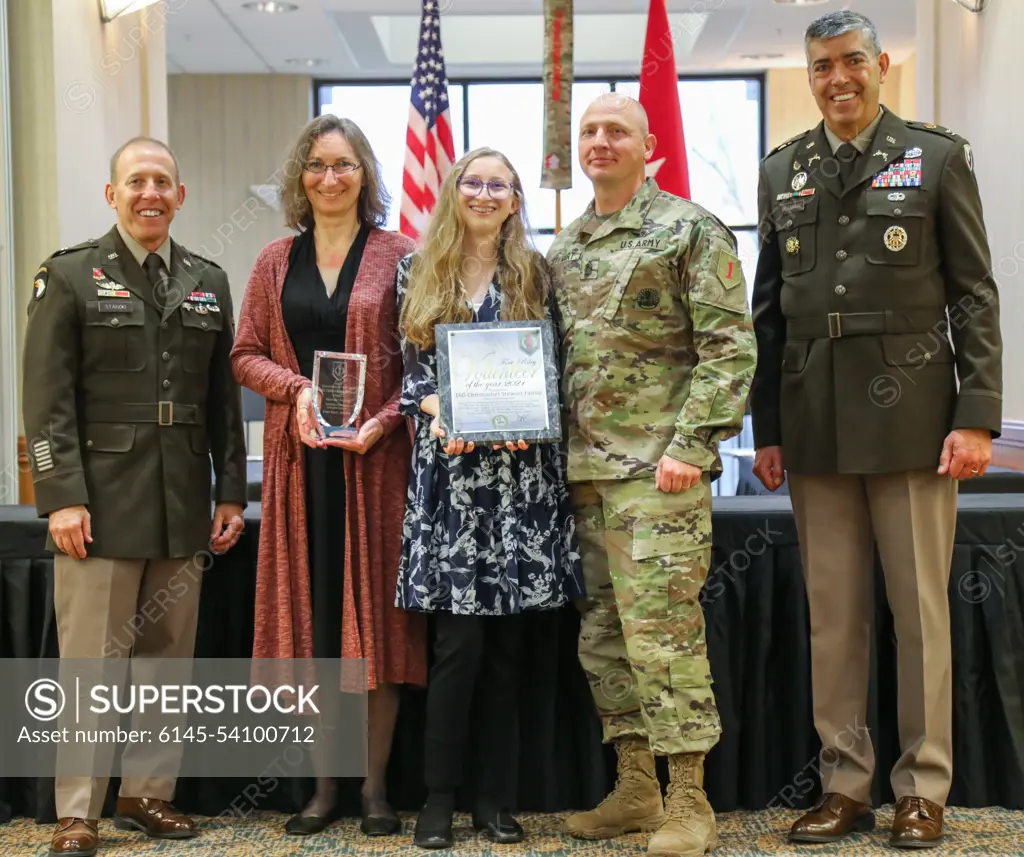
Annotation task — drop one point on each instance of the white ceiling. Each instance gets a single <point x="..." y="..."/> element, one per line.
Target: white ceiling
<point x="494" y="38"/>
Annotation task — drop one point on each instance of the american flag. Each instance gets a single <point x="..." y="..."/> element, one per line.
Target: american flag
<point x="430" y="151"/>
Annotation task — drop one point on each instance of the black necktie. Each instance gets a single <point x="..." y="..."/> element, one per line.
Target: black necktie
<point x="846" y="154"/>
<point x="154" y="273"/>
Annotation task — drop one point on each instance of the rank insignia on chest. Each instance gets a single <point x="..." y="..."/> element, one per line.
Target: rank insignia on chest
<point x="590" y="270"/>
<point x="906" y="173"/>
<point x="793" y="245"/>
<point x="648" y="299"/>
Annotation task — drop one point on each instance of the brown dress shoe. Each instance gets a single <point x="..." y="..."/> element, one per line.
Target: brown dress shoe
<point x="832" y="818"/>
<point x="918" y="823"/>
<point x="156" y="818"/>
<point x="75" y="837"/>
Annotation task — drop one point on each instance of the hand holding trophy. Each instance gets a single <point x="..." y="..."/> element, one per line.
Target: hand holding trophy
<point x="339" y="381"/>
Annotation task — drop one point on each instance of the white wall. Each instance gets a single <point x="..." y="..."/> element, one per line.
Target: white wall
<point x="973" y="95"/>
<point x="230" y="132"/>
<point x="8" y="309"/>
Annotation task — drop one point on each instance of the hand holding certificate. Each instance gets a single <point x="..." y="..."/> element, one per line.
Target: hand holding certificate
<point x="498" y="383"/>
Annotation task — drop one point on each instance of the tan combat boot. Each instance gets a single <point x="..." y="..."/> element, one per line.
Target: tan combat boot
<point x="689" y="827"/>
<point x="634" y="804"/>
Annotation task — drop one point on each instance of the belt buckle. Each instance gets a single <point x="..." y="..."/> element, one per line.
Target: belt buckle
<point x="835" y="330"/>
<point x="161" y="406"/>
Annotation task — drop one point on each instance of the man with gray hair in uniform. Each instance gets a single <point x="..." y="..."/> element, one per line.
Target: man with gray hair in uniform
<point x="873" y="297"/>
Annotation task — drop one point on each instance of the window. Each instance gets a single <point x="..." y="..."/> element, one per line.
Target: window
<point x="722" y="120"/>
<point x="382" y="113"/>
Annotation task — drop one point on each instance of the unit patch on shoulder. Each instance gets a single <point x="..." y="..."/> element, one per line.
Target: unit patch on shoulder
<point x="39" y="285"/>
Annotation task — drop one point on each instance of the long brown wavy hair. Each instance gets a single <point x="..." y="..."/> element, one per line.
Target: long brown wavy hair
<point x="436" y="292"/>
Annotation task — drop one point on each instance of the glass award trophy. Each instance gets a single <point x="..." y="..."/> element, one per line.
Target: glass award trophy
<point x="338" y="383"/>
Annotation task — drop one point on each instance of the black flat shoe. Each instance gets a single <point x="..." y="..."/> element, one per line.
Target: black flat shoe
<point x="433" y="828"/>
<point x="386" y="823"/>
<point x="500" y="828"/>
<point x="310" y="825"/>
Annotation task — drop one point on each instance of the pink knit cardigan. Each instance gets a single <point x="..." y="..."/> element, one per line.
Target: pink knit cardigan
<point x="392" y="641"/>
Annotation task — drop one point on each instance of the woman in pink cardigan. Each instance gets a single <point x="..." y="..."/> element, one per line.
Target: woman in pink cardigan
<point x="331" y="532"/>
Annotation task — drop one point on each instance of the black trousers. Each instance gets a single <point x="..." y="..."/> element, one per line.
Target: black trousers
<point x="473" y="692"/>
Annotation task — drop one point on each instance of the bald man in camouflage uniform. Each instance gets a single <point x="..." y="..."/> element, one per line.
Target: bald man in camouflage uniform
<point x="659" y="352"/>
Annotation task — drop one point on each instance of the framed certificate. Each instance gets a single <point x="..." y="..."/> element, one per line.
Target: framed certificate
<point x="498" y="381"/>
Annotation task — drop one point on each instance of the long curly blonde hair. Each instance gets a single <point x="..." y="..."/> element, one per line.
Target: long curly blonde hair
<point x="436" y="292"/>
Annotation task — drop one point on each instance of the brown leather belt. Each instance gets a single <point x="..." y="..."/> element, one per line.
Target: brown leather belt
<point x="836" y="325"/>
<point x="162" y="413"/>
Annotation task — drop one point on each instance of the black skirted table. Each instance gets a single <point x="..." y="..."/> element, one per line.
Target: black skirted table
<point x="758" y="641"/>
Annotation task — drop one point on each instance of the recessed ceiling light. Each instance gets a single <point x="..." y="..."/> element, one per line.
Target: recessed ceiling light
<point x="309" y="63"/>
<point x="270" y="6"/>
<point x="799" y="2"/>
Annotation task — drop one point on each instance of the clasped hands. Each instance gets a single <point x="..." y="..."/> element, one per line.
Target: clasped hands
<point x="966" y="453"/>
<point x="312" y="433"/>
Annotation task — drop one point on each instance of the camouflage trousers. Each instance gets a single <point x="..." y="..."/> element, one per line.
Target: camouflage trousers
<point x="645" y="558"/>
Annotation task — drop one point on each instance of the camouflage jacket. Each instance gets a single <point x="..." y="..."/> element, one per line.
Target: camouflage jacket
<point x="658" y="349"/>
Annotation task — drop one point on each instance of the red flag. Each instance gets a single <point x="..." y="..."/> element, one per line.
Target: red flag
<point x="430" y="150"/>
<point x="659" y="94"/>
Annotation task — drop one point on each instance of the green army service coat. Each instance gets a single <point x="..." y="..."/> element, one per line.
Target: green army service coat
<point x="875" y="308"/>
<point x="124" y="401"/>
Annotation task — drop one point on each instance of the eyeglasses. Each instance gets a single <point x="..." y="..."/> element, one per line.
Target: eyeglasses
<point x="341" y="168"/>
<point x="495" y="189"/>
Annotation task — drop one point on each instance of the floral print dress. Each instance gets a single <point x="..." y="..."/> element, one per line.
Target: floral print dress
<point x="489" y="533"/>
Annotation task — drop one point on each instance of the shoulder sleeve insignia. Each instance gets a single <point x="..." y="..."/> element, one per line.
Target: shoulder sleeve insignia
<point x="39" y="284"/>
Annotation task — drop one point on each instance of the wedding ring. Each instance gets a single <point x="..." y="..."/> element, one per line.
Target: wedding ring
<point x="974" y="471"/>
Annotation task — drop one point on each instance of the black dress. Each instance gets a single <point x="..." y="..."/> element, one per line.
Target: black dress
<point x="316" y="322"/>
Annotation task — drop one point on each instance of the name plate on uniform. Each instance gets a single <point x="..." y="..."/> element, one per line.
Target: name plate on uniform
<point x="338" y="384"/>
<point x="497" y="381"/>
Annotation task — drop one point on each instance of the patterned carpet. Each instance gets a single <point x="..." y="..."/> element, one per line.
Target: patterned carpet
<point x="985" y="833"/>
